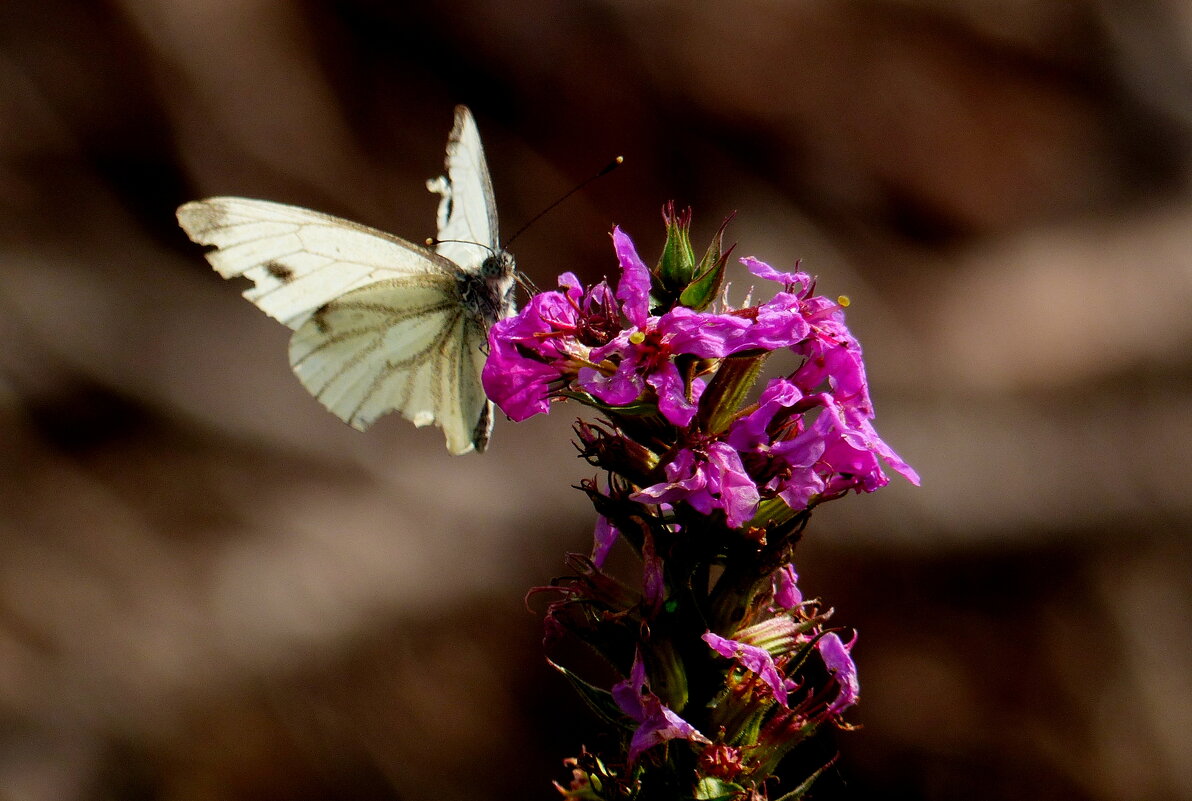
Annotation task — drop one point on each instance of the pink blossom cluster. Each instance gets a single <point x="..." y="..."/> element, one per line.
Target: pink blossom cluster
<point x="808" y="438"/>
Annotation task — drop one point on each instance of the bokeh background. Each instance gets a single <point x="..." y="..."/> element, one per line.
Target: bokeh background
<point x="211" y="589"/>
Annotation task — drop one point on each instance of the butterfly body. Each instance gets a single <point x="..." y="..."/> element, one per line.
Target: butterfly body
<point x="380" y="324"/>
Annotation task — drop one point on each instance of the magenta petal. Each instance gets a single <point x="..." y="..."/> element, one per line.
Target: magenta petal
<point x="752" y="658"/>
<point x="763" y="270"/>
<point x="721" y="645"/>
<point x="738" y="495"/>
<point x="672" y="394"/>
<point x="571" y="284"/>
<point x="633" y="290"/>
<point x="705" y="335"/>
<point x="749" y="433"/>
<point x="838" y="661"/>
<point x="786" y="588"/>
<point x="622" y="387"/>
<point x="779" y="324"/>
<point x="683" y="479"/>
<point x="518" y="385"/>
<point x="658" y="723"/>
<point x="604" y="537"/>
<point x="714" y="480"/>
<point x="628" y="693"/>
<point x="660" y="727"/>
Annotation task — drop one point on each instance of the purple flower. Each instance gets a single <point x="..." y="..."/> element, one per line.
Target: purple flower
<point x="778" y="323"/>
<point x="754" y="659"/>
<point x="851" y="450"/>
<point x="658" y="723"/>
<point x="788" y="280"/>
<point x="520" y="386"/>
<point x="605" y="535"/>
<point x="840" y="664"/>
<point x="653" y="577"/>
<point x="834" y="356"/>
<point x="786" y="465"/>
<point x="530" y="351"/>
<point x="786" y="589"/>
<point x="751" y="433"/>
<point x="644" y="357"/>
<point x="633" y="290"/>
<point x="707" y="479"/>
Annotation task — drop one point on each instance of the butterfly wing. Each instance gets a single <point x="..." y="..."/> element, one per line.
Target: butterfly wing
<point x="379" y="322"/>
<point x="468" y="210"/>
<point x="298" y="259"/>
<point x="404" y="344"/>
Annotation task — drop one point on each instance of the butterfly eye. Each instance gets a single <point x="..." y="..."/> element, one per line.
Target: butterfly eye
<point x="498" y="265"/>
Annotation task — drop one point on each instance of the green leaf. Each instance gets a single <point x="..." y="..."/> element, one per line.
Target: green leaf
<point x="599" y="701"/>
<point x="712" y="789"/>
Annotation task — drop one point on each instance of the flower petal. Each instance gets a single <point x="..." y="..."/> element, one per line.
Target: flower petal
<point x="633" y="290"/>
<point x="752" y="658"/>
<point x="786" y="588"/>
<point x="604" y="537"/>
<point x="842" y="667"/>
<point x="788" y="280"/>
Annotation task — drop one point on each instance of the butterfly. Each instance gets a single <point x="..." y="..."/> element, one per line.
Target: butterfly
<point x="380" y="324"/>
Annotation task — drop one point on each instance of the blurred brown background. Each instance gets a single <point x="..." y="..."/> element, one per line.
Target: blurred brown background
<point x="211" y="589"/>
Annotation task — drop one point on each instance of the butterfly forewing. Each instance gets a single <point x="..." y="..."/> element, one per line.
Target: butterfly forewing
<point x="298" y="259"/>
<point x="467" y="214"/>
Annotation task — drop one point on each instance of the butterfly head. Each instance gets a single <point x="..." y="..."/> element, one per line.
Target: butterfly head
<point x="488" y="291"/>
<point x="498" y="266"/>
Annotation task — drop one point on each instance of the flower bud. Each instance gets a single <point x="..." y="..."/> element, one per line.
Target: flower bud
<point x="676" y="268"/>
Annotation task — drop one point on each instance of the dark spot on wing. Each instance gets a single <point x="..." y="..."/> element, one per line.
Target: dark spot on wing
<point x="320" y="318"/>
<point x="280" y="272"/>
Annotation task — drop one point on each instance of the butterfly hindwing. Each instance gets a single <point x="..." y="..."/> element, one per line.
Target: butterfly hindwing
<point x="404" y="345"/>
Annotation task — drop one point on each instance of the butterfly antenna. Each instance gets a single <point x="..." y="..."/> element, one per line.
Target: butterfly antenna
<point x="525" y="283"/>
<point x="431" y="241"/>
<point x="605" y="170"/>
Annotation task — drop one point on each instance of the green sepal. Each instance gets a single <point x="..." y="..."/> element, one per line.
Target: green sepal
<point x="726" y="392"/>
<point x="635" y="409"/>
<point x="709" y="275"/>
<point x="668" y="676"/>
<point x="801" y="790"/>
<point x="749" y="729"/>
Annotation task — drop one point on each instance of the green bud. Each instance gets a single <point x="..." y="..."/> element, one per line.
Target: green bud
<point x="677" y="266"/>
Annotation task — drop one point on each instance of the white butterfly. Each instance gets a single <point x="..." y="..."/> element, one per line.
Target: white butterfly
<point x="380" y="324"/>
